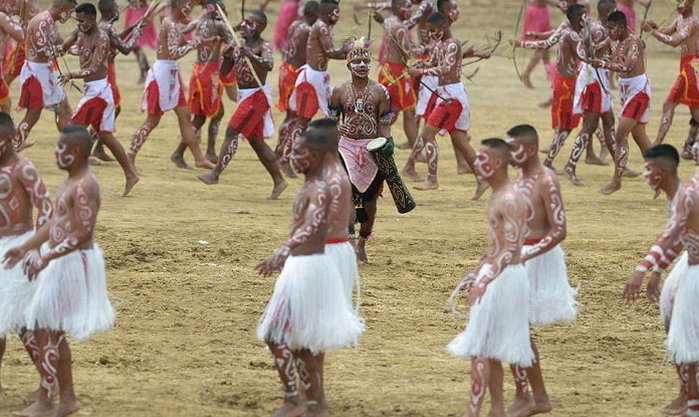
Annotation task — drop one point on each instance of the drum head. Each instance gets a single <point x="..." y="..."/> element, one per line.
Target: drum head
<point x="375" y="144"/>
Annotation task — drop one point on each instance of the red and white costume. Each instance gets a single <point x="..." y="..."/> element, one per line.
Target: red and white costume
<point x="635" y="98"/>
<point x="562" y="116"/>
<point x="163" y="91"/>
<point x="205" y="89"/>
<point x="592" y="91"/>
<point x="288" y="73"/>
<point x="452" y="110"/>
<point x="311" y="93"/>
<point x="40" y="88"/>
<point x="14" y="60"/>
<point x="426" y="99"/>
<point x="253" y="116"/>
<point x="685" y="89"/>
<point x="96" y="108"/>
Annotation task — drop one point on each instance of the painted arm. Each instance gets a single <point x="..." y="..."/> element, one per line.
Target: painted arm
<point x="386" y="115"/>
<point x="263" y="61"/>
<point x="335" y="106"/>
<point x="627" y="63"/>
<point x="125" y="47"/>
<point x="553" y="38"/>
<point x="70" y="41"/>
<point x="37" y="192"/>
<point x="676" y="38"/>
<point x="176" y="50"/>
<point x="98" y="59"/>
<point x="556" y="215"/>
<point x="451" y="58"/>
<point x="326" y="43"/>
<point x="421" y="12"/>
<point x="11" y="28"/>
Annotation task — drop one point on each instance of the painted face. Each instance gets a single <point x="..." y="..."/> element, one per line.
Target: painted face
<point x="85" y="22"/>
<point x="653" y="175"/>
<point x="563" y="5"/>
<point x="66" y="11"/>
<point x="334" y="15"/>
<point x="65" y="155"/>
<point x="403" y="11"/>
<point x="518" y="153"/>
<point x="452" y="12"/>
<point x="360" y="67"/>
<point x="483" y="165"/>
<point x="615" y="31"/>
<point x="301" y="157"/>
<point x="185" y="7"/>
<point x="436" y="32"/>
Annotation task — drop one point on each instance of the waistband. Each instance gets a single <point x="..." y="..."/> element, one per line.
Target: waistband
<point x="688" y="58"/>
<point x="166" y="63"/>
<point x="102" y="82"/>
<point x="531" y="242"/>
<point x="631" y="80"/>
<point x="335" y="241"/>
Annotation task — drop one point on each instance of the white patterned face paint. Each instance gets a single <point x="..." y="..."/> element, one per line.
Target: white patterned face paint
<point x="436" y="33"/>
<point x="64" y="159"/>
<point x="452" y="11"/>
<point x="85" y="22"/>
<point x="335" y="15"/>
<point x="483" y="165"/>
<point x="653" y="175"/>
<point x="518" y="155"/>
<point x="360" y="67"/>
<point x="300" y="157"/>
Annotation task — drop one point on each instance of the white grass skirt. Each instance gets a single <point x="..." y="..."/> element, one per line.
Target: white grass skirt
<point x="71" y="295"/>
<point x="498" y="326"/>
<point x="683" y="337"/>
<point x="16" y="291"/>
<point x="551" y="298"/>
<point x="343" y="255"/>
<point x="309" y="309"/>
<point x="667" y="295"/>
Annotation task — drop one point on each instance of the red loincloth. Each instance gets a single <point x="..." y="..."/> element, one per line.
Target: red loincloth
<point x="14" y="60"/>
<point x="399" y="84"/>
<point x="562" y="116"/>
<point x="685" y="89"/>
<point x="205" y="89"/>
<point x="253" y="116"/>
<point x="287" y="80"/>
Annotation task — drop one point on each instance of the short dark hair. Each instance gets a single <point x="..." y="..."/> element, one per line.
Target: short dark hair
<point x="618" y="18"/>
<point x="326" y="5"/>
<point x="79" y="136"/>
<point x="316" y="139"/>
<point x="311" y="7"/>
<point x="495" y="143"/>
<point x="441" y="4"/>
<point x="663" y="151"/>
<point x="523" y="130"/>
<point x="574" y="10"/>
<point x="437" y="18"/>
<point x="86" y="8"/>
<point x="602" y="4"/>
<point x="6" y="121"/>
<point x="260" y="15"/>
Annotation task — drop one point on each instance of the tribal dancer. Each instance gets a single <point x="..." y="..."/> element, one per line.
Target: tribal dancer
<point x="164" y="90"/>
<point x="67" y="266"/>
<point x="97" y="107"/>
<point x="628" y="60"/>
<point x="8" y="29"/>
<point x="136" y="12"/>
<point x="205" y="86"/>
<point x="537" y="20"/>
<point x="551" y="299"/>
<point x="253" y="116"/>
<point x="452" y="111"/>
<point x="678" y="299"/>
<point x="365" y="109"/>
<point x="312" y="90"/>
<point x="21" y="190"/>
<point x="40" y="88"/>
<point x="683" y="32"/>
<point x="563" y="120"/>
<point x="592" y="97"/>
<point x="294" y="59"/>
<point x="308" y="314"/>
<point x="393" y="71"/>
<point x="497" y="329"/>
<point x="14" y="61"/>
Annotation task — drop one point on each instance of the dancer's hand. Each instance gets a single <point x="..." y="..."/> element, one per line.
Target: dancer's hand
<point x="13" y="257"/>
<point x="476" y="294"/>
<point x="653" y="287"/>
<point x="33" y="264"/>
<point x="633" y="285"/>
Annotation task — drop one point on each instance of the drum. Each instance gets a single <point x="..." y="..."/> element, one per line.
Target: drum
<point x="381" y="149"/>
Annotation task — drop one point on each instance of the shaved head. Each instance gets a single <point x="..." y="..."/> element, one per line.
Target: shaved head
<point x="526" y="133"/>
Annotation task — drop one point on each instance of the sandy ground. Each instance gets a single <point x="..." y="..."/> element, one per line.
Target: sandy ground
<point x="180" y="260"/>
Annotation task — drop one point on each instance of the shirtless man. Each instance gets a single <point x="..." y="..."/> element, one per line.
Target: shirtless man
<point x="628" y="60"/>
<point x="393" y="71"/>
<point x="681" y="228"/>
<point x="497" y="328"/>
<point x="551" y="298"/>
<point x="308" y="313"/>
<point x="40" y="88"/>
<point x="294" y="59"/>
<point x="8" y="30"/>
<point x="312" y="90"/>
<point x="205" y="87"/>
<point x="64" y="259"/>
<point x="21" y="190"/>
<point x="164" y="92"/>
<point x="97" y="107"/>
<point x="253" y="116"/>
<point x="25" y="10"/>
<point x="452" y="112"/>
<point x="592" y="96"/>
<point x="365" y="109"/>
<point x="683" y="32"/>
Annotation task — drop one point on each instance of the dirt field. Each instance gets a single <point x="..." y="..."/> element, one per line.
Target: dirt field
<point x="184" y="342"/>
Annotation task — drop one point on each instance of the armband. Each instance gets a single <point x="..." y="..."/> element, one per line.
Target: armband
<point x="335" y="113"/>
<point x="387" y="118"/>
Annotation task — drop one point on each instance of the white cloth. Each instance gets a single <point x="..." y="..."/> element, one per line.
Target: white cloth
<point x="498" y="326"/>
<point x="424" y="94"/>
<point x="588" y="78"/>
<point x="245" y="93"/>
<point x="320" y="80"/>
<point x="166" y="75"/>
<point x="551" y="299"/>
<point x="343" y="255"/>
<point x="683" y="336"/>
<point x="16" y="291"/>
<point x="44" y="73"/>
<point x="669" y="291"/>
<point x="71" y="295"/>
<point x="631" y="89"/>
<point x="308" y="309"/>
<point x="96" y="91"/>
<point x="457" y="91"/>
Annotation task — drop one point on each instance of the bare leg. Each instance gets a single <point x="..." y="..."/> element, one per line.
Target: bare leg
<point x="524" y="404"/>
<point x="665" y="121"/>
<point x="31" y="345"/>
<point x="559" y="138"/>
<point x="621" y="156"/>
<point x="142" y="61"/>
<point x="140" y="137"/>
<point x="212" y="134"/>
<point x="24" y="128"/>
<point x="48" y="368"/>
<point x="480" y="380"/>
<point x="409" y="168"/>
<point x="63" y="113"/>
<point x="582" y="141"/>
<point x="410" y="125"/>
<point x="679" y="405"/>
<point x="365" y="230"/>
<point x="312" y="383"/>
<point x="228" y="150"/>
<point x="428" y="135"/>
<point x="189" y="136"/>
<point x="526" y="74"/>
<point x="692" y="390"/>
<point x="292" y="406"/>
<point x="270" y="160"/>
<point x="283" y="149"/>
<point x="120" y="155"/>
<point x="460" y="141"/>
<point x="69" y="403"/>
<point x="178" y="155"/>
<point x="691" y="138"/>
<point x="3" y="344"/>
<point x="497" y="407"/>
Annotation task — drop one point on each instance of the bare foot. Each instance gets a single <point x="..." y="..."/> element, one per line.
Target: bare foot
<point x="316" y="411"/>
<point x="552" y="168"/>
<point x="130" y="183"/>
<point x="132" y="159"/>
<point x="524" y="406"/>
<point x="291" y="408"/>
<point x="594" y="160"/>
<point x="287" y="171"/>
<point x="65" y="409"/>
<point x="209" y="179"/>
<point x="421" y="159"/>
<point x="100" y="154"/>
<point x="630" y="173"/>
<point x="362" y="259"/>
<point x="34" y="396"/>
<point x="427" y="184"/>
<point x="463" y="170"/>
<point x="278" y="190"/>
<point x="677" y="407"/>
<point x="610" y="188"/>
<point x="179" y="161"/>
<point x="546" y="104"/>
<point x="569" y="172"/>
<point x="411" y="173"/>
<point x="482" y="187"/>
<point x="26" y="144"/>
<point x="527" y="83"/>
<point x="212" y="158"/>
<point x="687" y="154"/>
<point x="404" y="145"/>
<point x="36" y="409"/>
<point x="94" y="161"/>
